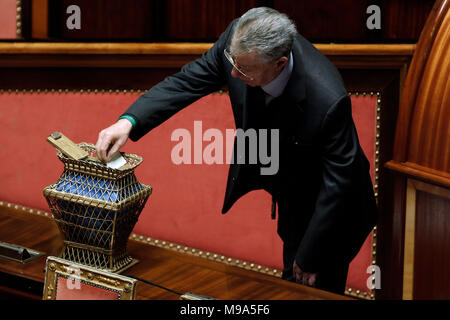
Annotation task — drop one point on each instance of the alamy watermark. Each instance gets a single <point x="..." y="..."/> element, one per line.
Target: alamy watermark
<point x="374" y="20"/>
<point x="262" y="146"/>
<point x="374" y="281"/>
<point x="74" y="20"/>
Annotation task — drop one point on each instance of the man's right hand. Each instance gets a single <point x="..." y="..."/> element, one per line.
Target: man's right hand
<point x="111" y="139"/>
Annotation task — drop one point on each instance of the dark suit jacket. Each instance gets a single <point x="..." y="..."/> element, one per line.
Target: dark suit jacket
<point x="322" y="166"/>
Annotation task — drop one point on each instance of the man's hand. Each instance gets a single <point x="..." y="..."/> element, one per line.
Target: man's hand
<point x="111" y="139"/>
<point x="306" y="278"/>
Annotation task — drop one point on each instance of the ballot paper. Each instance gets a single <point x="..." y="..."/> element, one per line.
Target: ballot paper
<point x="117" y="161"/>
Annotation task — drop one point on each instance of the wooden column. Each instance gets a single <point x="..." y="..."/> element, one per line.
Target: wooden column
<point x="422" y="161"/>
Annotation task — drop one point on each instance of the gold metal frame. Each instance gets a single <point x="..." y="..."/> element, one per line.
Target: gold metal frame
<point x="125" y="287"/>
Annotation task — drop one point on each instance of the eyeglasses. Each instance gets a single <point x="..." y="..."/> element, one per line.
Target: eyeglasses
<point x="231" y="60"/>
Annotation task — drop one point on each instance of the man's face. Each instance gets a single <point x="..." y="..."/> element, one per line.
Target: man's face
<point x="257" y="71"/>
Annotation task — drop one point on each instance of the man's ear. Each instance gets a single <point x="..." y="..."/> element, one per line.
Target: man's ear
<point x="281" y="62"/>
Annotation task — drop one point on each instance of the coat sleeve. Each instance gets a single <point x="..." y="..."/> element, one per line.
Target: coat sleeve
<point x="195" y="80"/>
<point x="336" y="222"/>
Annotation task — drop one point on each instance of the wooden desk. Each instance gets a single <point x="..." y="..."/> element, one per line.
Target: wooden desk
<point x="175" y="270"/>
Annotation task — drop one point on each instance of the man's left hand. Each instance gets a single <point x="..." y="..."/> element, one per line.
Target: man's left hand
<point x="306" y="278"/>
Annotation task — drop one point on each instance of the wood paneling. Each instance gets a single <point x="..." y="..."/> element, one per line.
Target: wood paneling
<point x="427" y="242"/>
<point x="323" y="21"/>
<point x="327" y="21"/>
<point x="422" y="141"/>
<point x="107" y="19"/>
<point x="403" y="20"/>
<point x="201" y="20"/>
<point x="432" y="250"/>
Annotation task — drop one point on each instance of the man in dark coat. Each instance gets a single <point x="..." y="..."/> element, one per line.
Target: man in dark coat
<point x="278" y="81"/>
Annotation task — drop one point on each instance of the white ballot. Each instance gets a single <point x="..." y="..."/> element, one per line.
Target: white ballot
<point x="117" y="161"/>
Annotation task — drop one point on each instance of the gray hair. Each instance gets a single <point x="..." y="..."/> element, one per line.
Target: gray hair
<point x="264" y="31"/>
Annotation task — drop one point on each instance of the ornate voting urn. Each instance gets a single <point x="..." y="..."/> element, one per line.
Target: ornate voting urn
<point x="96" y="208"/>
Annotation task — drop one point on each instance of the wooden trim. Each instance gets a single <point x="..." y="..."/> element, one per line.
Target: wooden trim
<point x="410" y="226"/>
<point x="187" y="48"/>
<point x="413" y="170"/>
<point x="432" y="189"/>
<point x="175" y="55"/>
<point x="82" y="48"/>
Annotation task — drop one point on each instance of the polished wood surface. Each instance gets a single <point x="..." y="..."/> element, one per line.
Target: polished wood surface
<point x="421" y="165"/>
<point x="422" y="141"/>
<point x="175" y="270"/>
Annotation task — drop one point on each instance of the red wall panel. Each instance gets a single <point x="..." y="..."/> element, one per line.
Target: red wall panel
<point x="8" y="19"/>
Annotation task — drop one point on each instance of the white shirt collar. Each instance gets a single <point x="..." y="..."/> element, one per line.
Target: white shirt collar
<point x="276" y="87"/>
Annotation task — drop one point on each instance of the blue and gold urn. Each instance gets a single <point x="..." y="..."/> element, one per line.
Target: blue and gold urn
<point x="96" y="209"/>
